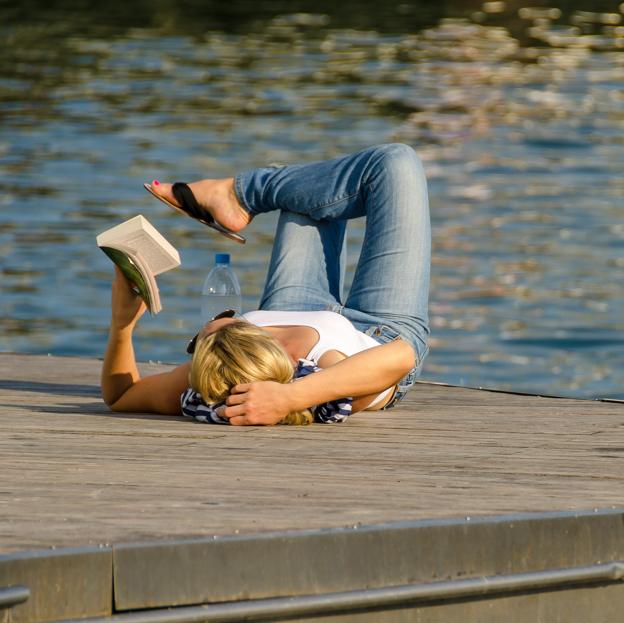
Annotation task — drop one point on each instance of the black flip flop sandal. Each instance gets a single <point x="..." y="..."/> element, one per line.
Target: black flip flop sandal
<point x="189" y="206"/>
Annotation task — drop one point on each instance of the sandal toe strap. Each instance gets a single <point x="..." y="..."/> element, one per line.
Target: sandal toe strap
<point x="186" y="199"/>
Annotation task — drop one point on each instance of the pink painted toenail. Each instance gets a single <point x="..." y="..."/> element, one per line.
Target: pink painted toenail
<point x="156" y="183"/>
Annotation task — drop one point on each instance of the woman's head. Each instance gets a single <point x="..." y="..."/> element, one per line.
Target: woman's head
<point x="236" y="351"/>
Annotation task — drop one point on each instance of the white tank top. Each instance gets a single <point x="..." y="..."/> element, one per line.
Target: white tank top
<point x="335" y="333"/>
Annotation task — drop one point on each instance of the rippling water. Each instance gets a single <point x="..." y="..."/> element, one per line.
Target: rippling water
<point x="516" y="111"/>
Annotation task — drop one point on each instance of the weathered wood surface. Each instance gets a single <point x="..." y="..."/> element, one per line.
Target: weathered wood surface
<point x="72" y="473"/>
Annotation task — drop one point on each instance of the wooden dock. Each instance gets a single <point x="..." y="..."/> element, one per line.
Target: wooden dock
<point x="74" y="474"/>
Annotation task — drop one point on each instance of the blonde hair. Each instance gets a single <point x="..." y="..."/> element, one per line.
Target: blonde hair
<point x="240" y="352"/>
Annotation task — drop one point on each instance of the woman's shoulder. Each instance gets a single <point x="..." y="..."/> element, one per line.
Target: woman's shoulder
<point x="326" y="323"/>
<point x="318" y="316"/>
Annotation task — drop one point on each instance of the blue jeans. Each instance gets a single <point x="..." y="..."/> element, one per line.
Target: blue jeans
<point x="390" y="290"/>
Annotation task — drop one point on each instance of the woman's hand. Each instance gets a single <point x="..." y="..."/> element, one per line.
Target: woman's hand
<point x="127" y="306"/>
<point x="259" y="403"/>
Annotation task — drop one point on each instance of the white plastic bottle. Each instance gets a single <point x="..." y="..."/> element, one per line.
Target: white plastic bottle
<point x="221" y="289"/>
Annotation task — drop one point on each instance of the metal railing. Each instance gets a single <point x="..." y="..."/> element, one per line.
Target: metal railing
<point x="13" y="595"/>
<point x="375" y="599"/>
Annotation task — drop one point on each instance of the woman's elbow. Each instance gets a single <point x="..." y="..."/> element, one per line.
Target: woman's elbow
<point x="108" y="398"/>
<point x="407" y="356"/>
<point x="112" y="403"/>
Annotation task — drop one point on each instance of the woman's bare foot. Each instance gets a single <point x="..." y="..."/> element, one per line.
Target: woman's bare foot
<point x="217" y="197"/>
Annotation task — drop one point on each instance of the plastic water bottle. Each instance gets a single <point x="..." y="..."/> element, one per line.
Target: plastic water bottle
<point x="221" y="289"/>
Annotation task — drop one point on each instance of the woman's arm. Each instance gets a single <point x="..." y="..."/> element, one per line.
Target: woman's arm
<point x="365" y="373"/>
<point x="122" y="387"/>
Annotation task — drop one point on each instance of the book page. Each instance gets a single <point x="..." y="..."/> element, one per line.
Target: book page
<point x="141" y="237"/>
<point x="150" y="283"/>
<point x="151" y="252"/>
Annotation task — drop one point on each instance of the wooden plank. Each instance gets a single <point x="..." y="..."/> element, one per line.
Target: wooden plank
<point x="72" y="473"/>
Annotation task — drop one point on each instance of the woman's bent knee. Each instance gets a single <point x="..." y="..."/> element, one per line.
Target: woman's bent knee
<point x="398" y="154"/>
<point x="399" y="161"/>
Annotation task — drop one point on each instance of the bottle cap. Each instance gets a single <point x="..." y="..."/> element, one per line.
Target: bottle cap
<point x="222" y="258"/>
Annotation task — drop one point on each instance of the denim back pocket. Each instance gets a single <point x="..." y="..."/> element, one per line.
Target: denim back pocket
<point x="384" y="334"/>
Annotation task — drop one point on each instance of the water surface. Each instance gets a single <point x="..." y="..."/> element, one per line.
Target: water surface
<point x="517" y="112"/>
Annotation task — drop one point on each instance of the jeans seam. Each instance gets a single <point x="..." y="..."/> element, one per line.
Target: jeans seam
<point x="240" y="195"/>
<point x="333" y="202"/>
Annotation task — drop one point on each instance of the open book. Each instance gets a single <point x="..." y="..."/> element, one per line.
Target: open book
<point x="141" y="253"/>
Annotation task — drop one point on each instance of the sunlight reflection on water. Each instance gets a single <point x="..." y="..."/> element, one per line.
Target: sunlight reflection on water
<point x="517" y="113"/>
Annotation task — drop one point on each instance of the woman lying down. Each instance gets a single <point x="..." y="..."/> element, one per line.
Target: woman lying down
<point x="363" y="354"/>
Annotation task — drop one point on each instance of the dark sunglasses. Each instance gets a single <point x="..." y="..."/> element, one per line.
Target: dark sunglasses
<point x="228" y="313"/>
